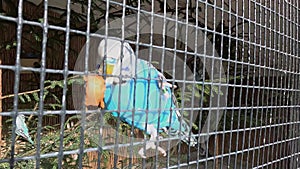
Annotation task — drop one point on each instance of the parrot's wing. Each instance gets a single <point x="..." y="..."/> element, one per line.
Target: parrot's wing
<point x="148" y="96"/>
<point x="22" y="129"/>
<point x="185" y="128"/>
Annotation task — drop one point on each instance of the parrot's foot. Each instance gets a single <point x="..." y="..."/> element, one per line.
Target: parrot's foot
<point x="151" y="144"/>
<point x="163" y="85"/>
<point x="164" y="82"/>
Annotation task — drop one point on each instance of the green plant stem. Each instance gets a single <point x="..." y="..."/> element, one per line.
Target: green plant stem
<point x="32" y="91"/>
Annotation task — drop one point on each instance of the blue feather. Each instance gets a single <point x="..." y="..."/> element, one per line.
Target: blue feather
<point x="159" y="104"/>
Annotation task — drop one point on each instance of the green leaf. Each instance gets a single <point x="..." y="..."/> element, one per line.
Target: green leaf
<point x="35" y="96"/>
<point x="197" y="94"/>
<point x="76" y="81"/>
<point x="195" y="126"/>
<point x="37" y="38"/>
<point x="22" y="99"/>
<point x="27" y="97"/>
<point x="48" y="127"/>
<point x="207" y="90"/>
<point x="155" y="62"/>
<point x="7" y="47"/>
<point x="189" y="87"/>
<point x="47" y="81"/>
<point x="46" y="92"/>
<point x="61" y="85"/>
<point x="54" y="106"/>
<point x="56" y="98"/>
<point x="186" y="114"/>
<point x="199" y="87"/>
<point x="53" y="84"/>
<point x="216" y="90"/>
<point x="71" y="81"/>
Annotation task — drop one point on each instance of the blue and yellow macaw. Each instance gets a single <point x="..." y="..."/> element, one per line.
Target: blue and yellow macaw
<point x="147" y="93"/>
<point x="22" y="129"/>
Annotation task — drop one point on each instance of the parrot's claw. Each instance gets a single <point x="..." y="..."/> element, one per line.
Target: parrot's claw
<point x="151" y="144"/>
<point x="164" y="82"/>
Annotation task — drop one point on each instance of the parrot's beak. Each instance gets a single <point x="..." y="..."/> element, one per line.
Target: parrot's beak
<point x="110" y="65"/>
<point x="109" y="69"/>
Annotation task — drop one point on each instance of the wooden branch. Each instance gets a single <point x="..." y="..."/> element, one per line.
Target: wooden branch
<point x="28" y="92"/>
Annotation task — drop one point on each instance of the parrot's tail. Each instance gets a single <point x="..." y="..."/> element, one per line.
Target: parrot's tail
<point x="184" y="132"/>
<point x="188" y="136"/>
<point x="185" y="129"/>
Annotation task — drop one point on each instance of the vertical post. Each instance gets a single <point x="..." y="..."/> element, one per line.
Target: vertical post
<point x="0" y="108"/>
<point x="217" y="152"/>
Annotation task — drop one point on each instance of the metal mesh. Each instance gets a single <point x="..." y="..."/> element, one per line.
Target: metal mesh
<point x="234" y="64"/>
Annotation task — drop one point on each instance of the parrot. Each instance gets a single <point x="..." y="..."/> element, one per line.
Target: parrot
<point x="22" y="129"/>
<point x="153" y="100"/>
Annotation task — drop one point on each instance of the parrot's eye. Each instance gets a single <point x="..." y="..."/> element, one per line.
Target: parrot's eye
<point x="98" y="66"/>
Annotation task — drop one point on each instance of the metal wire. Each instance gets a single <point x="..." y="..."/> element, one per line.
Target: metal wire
<point x="244" y="87"/>
<point x="64" y="98"/>
<point x="17" y="80"/>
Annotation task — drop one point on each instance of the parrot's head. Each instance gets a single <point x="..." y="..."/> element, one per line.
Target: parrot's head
<point x="119" y="59"/>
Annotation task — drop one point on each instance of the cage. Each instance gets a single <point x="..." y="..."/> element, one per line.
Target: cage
<point x="183" y="84"/>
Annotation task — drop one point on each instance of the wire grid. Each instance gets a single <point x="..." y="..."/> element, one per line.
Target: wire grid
<point x="255" y="43"/>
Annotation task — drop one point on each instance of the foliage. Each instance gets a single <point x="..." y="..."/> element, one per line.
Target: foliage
<point x="50" y="142"/>
<point x="32" y="35"/>
<point x="50" y="136"/>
